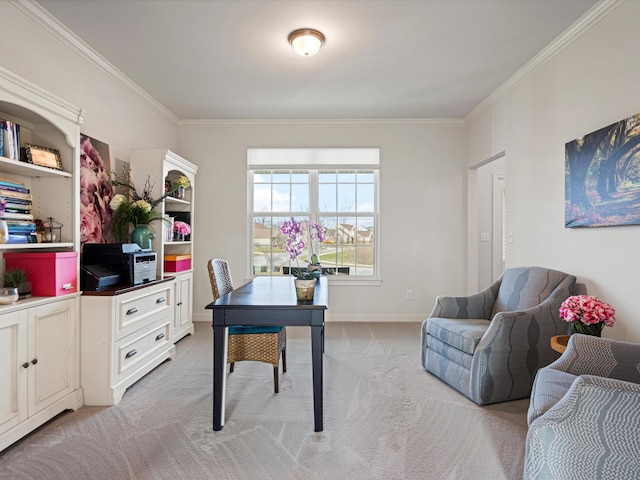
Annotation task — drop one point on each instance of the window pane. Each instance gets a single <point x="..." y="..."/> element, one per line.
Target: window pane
<point x="327" y="198"/>
<point x="346" y="176"/>
<point x="300" y="177"/>
<point x="365" y="198"/>
<point x="327" y="176"/>
<point x="281" y="198"/>
<point x="262" y="176"/>
<point x="300" y="197"/>
<point x="365" y="177"/>
<point x="261" y="198"/>
<point x="281" y="177"/>
<point x="346" y="197"/>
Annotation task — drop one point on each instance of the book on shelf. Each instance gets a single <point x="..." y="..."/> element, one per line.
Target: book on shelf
<point x="10" y="139"/>
<point x="22" y="238"/>
<point x="21" y="226"/>
<point x="15" y="216"/>
<point x="12" y="208"/>
<point x="12" y="194"/>
<point x="19" y="202"/>
<point x="11" y="183"/>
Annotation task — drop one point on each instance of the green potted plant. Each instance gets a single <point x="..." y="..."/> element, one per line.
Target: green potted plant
<point x="17" y="278"/>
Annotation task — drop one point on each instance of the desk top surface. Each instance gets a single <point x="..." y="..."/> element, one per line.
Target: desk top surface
<point x="272" y="292"/>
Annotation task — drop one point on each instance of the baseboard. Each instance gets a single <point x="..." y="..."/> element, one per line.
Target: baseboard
<point x="346" y="317"/>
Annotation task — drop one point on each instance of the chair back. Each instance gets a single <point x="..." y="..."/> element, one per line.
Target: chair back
<point x="525" y="287"/>
<point x="220" y="277"/>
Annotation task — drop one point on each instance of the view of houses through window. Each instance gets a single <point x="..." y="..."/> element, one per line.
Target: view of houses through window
<point x="342" y="201"/>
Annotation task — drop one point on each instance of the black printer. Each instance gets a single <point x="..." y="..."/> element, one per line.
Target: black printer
<point x="109" y="264"/>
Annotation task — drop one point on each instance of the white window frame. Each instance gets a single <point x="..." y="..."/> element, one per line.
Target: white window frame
<point x="313" y="160"/>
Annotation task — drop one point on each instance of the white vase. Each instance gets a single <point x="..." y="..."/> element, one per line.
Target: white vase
<point x="4" y="232"/>
<point x="305" y="288"/>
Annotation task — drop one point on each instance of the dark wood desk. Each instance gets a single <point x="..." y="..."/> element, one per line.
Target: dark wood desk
<point x="269" y="300"/>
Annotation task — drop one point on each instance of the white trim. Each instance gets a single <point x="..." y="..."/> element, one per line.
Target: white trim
<point x="584" y="23"/>
<point x="254" y="122"/>
<point x="53" y="25"/>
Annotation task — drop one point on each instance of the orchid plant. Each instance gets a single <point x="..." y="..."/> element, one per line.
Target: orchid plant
<point x="587" y="314"/>
<point x="296" y="233"/>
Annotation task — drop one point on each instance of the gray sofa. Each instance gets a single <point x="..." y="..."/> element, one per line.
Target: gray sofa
<point x="584" y="413"/>
<point x="489" y="346"/>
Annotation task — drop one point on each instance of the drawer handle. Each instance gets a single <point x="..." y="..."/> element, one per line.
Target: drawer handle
<point x="25" y="365"/>
<point x="131" y="353"/>
<point x="160" y="300"/>
<point x="160" y="336"/>
<point x="34" y="361"/>
<point x="131" y="311"/>
<point x="67" y="286"/>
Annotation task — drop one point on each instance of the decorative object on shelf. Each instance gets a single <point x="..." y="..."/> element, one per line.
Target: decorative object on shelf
<point x="4" y="229"/>
<point x="181" y="230"/>
<point x="295" y="232"/>
<point x="142" y="236"/>
<point x="42" y="156"/>
<point x="51" y="230"/>
<point x="8" y="295"/>
<point x="96" y="191"/>
<point x="132" y="208"/>
<point x="17" y="277"/>
<point x="180" y="186"/>
<point x="587" y="314"/>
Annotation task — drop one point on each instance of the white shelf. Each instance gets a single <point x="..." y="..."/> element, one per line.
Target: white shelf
<point x="23" y="246"/>
<point x="17" y="167"/>
<point x="178" y="201"/>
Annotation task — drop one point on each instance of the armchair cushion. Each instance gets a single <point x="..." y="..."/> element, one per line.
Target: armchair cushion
<point x="461" y="334"/>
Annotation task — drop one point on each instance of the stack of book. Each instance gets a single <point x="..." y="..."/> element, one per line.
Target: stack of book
<point x="9" y="140"/>
<point x="17" y="212"/>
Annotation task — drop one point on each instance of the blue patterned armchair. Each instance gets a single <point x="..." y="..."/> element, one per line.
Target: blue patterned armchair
<point x="584" y="413"/>
<point x="489" y="346"/>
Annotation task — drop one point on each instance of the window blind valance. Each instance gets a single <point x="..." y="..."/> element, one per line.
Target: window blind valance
<point x="313" y="158"/>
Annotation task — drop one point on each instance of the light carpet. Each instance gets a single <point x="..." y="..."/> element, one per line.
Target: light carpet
<point x="384" y="418"/>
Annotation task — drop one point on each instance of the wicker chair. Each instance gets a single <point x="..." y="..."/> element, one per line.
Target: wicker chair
<point x="260" y="344"/>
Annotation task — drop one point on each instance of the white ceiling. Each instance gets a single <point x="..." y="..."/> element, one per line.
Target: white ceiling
<point x="229" y="59"/>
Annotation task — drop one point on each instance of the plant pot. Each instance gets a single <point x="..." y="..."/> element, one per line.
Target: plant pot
<point x="305" y="289"/>
<point x="24" y="290"/>
<point x="593" y="329"/>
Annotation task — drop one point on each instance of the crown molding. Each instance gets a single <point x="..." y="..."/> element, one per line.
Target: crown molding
<point x="37" y="13"/>
<point x="581" y="26"/>
<point x="292" y="122"/>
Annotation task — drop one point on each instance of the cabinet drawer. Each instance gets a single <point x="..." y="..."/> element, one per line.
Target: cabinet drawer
<point x="142" y="307"/>
<point x="136" y="348"/>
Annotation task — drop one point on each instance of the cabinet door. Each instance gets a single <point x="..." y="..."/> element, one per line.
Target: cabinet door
<point x="51" y="352"/>
<point x="183" y="296"/>
<point x="13" y="375"/>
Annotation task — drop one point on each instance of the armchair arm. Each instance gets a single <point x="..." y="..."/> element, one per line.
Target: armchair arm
<point x="513" y="348"/>
<point x="602" y="410"/>
<point x="478" y="305"/>
<point x="589" y="355"/>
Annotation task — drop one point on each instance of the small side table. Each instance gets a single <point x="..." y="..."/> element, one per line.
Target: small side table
<point x="559" y="343"/>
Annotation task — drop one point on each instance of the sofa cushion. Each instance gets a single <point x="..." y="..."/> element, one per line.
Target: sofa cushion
<point x="549" y="387"/>
<point x="463" y="334"/>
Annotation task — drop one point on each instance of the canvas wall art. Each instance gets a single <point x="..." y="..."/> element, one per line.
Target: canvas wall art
<point x="602" y="176"/>
<point x="95" y="191"/>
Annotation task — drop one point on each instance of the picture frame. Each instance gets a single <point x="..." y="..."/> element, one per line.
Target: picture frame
<point x="43" y="156"/>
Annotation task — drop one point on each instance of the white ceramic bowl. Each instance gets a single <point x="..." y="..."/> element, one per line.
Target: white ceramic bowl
<point x="8" y="295"/>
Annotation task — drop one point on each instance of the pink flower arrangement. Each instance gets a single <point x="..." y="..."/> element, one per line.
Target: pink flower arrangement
<point x="296" y="232"/>
<point x="181" y="228"/>
<point x="587" y="314"/>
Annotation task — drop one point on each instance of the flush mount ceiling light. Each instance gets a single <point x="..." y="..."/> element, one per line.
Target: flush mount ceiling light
<point x="306" y="41"/>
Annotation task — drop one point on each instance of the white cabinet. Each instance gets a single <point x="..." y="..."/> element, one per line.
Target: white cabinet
<point x="125" y="335"/>
<point x="161" y="166"/>
<point x="183" y="323"/>
<point x="39" y="364"/>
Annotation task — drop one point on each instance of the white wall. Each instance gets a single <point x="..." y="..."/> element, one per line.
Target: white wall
<point x="423" y="207"/>
<point x="592" y="83"/>
<point x="115" y="113"/>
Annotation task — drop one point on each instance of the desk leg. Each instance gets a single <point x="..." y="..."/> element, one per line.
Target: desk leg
<point x="317" y="347"/>
<point x="219" y="377"/>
